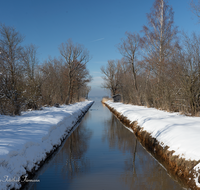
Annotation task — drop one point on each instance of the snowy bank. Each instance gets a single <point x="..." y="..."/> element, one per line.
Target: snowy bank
<point x="26" y="141"/>
<point x="178" y="136"/>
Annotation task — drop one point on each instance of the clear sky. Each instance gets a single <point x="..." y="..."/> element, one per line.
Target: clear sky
<point x="97" y="24"/>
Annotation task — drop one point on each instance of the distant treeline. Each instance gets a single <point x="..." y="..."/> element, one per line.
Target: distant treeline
<point x="160" y="67"/>
<point x="27" y="84"/>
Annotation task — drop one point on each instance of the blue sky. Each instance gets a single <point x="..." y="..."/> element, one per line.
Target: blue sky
<point x="98" y="25"/>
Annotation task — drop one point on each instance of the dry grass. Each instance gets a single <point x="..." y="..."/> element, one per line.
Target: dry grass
<point x="105" y="99"/>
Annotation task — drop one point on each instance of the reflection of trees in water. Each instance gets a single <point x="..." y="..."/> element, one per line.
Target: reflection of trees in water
<point x="150" y="175"/>
<point x="141" y="171"/>
<point x="119" y="137"/>
<point x="72" y="153"/>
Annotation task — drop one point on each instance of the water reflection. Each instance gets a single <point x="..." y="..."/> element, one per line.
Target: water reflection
<point x="102" y="154"/>
<point x="69" y="162"/>
<point x="141" y="171"/>
<point x="74" y="150"/>
<point x="118" y="136"/>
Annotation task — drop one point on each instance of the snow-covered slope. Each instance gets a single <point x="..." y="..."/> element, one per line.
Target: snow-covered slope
<point x="180" y="133"/>
<point x="26" y="140"/>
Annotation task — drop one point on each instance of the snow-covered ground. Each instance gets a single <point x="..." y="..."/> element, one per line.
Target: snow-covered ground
<point x="180" y="133"/>
<point x="25" y="140"/>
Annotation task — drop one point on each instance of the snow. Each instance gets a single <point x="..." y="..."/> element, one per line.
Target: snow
<point x="180" y="133"/>
<point x="25" y="139"/>
<point x="197" y="167"/>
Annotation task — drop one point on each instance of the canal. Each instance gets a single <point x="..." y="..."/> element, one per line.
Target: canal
<point x="101" y="154"/>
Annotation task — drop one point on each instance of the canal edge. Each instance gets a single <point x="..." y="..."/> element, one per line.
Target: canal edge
<point x="179" y="168"/>
<point x="31" y="174"/>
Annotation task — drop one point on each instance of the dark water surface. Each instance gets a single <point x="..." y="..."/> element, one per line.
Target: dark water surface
<point x="101" y="154"/>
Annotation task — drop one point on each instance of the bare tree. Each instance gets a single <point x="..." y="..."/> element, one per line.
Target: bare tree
<point x="10" y="68"/>
<point x="189" y="74"/>
<point x="111" y="77"/>
<point x="159" y="42"/>
<point x="80" y="80"/>
<point x="76" y="57"/>
<point x="26" y="84"/>
<point x="126" y="85"/>
<point x="32" y="86"/>
<point x="195" y="8"/>
<point x="86" y="91"/>
<point x="30" y="60"/>
<point x="129" y="48"/>
<point x="53" y="82"/>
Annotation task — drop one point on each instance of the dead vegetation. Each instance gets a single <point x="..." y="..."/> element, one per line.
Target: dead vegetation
<point x="160" y="67"/>
<point x="27" y="84"/>
<point x="105" y="99"/>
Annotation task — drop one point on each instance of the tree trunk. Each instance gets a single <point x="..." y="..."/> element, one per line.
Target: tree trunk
<point x="68" y="92"/>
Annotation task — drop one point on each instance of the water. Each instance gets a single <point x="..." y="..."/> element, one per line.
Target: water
<point x="101" y="154"/>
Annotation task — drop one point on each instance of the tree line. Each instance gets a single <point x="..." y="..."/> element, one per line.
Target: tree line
<point x="27" y="84"/>
<point x="160" y="66"/>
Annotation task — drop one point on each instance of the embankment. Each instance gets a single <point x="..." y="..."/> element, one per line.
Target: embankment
<point x="31" y="173"/>
<point x="184" y="171"/>
<point x="18" y="166"/>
